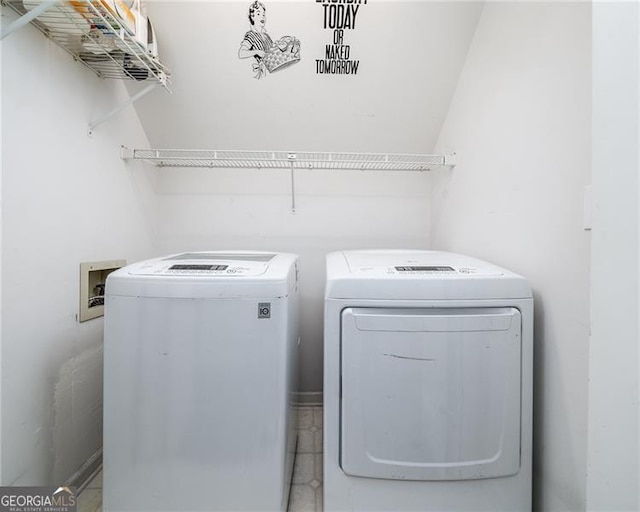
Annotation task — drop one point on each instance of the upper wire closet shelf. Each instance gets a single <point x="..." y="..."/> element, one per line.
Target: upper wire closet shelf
<point x="288" y="159"/>
<point x="92" y="32"/>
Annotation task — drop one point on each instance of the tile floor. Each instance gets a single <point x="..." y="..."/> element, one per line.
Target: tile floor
<point x="306" y="488"/>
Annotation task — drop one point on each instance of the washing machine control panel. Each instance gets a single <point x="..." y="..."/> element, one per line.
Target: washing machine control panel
<point x="201" y="268"/>
<point x="198" y="267"/>
<point x="185" y="269"/>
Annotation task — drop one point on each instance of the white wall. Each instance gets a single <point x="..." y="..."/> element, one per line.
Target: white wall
<point x="613" y="456"/>
<point x="409" y="53"/>
<point x="66" y="198"/>
<point x="520" y="123"/>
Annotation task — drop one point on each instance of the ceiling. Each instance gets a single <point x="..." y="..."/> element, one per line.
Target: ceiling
<point x="409" y="54"/>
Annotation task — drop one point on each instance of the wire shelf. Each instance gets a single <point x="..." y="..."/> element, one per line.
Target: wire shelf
<point x="288" y="159"/>
<point x="95" y="38"/>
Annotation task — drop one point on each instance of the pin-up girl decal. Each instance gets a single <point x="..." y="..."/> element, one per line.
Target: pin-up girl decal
<point x="257" y="44"/>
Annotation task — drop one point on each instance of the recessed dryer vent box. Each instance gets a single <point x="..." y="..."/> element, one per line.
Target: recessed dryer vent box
<point x="93" y="276"/>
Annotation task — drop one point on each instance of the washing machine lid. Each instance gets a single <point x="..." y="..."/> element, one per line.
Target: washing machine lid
<point x="418" y="275"/>
<point x="208" y="274"/>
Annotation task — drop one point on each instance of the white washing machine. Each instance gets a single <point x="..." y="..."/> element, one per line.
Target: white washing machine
<point x="200" y="373"/>
<point x="427" y="384"/>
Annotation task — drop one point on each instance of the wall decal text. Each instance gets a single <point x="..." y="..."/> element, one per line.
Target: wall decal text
<point x="339" y="16"/>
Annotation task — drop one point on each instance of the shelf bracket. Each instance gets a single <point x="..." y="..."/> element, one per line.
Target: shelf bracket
<point x="126" y="153"/>
<point x="131" y="100"/>
<point x="451" y="160"/>
<point x="27" y="18"/>
<point x="292" y="157"/>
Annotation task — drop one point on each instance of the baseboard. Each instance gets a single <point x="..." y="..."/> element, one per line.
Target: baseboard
<point x="309" y="398"/>
<point x="86" y="472"/>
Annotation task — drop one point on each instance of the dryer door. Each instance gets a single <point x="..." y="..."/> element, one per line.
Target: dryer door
<point x="430" y="394"/>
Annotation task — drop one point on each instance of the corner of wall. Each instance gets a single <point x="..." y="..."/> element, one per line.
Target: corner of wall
<point x="614" y="385"/>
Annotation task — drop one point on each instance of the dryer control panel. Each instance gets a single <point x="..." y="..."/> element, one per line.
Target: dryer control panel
<point x="418" y="275"/>
<point x="386" y="264"/>
<point x="422" y="270"/>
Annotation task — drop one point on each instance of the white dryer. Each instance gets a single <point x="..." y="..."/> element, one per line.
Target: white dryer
<point x="427" y="384"/>
<point x="200" y="373"/>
